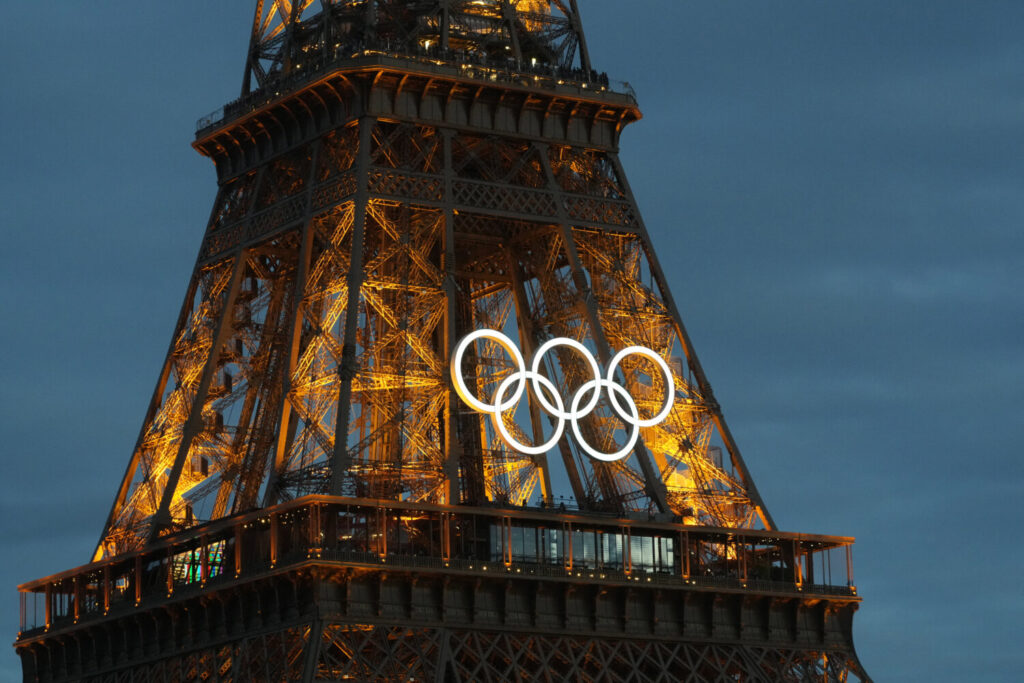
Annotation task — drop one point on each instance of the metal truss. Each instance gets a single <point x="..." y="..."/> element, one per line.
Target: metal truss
<point x="365" y="652"/>
<point x="312" y="359"/>
<point x="393" y="654"/>
<point x="294" y="36"/>
<point x="309" y="499"/>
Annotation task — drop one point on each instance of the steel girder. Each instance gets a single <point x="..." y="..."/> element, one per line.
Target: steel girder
<point x="290" y="37"/>
<point x="313" y="348"/>
<point x="328" y="622"/>
<point x="395" y="176"/>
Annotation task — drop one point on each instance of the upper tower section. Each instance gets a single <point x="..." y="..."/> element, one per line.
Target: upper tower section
<point x="522" y="58"/>
<point x="541" y="36"/>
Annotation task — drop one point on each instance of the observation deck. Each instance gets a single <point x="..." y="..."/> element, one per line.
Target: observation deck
<point x="451" y="64"/>
<point x="323" y="534"/>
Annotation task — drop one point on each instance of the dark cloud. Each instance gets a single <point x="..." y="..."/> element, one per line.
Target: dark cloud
<point x="834" y="189"/>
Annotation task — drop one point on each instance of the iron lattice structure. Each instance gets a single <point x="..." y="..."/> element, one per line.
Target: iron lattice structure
<point x="308" y="498"/>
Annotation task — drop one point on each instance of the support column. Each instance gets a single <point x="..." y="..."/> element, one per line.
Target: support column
<point x="151" y="411"/>
<point x="341" y="461"/>
<point x="577" y="26"/>
<point x="312" y="652"/>
<point x="654" y="486"/>
<point x="453" y="446"/>
<point x="106" y="589"/>
<point x="691" y="355"/>
<point x="238" y="549"/>
<point x="527" y="341"/>
<point x="284" y="432"/>
<point x="509" y="15"/>
<point x="194" y="424"/>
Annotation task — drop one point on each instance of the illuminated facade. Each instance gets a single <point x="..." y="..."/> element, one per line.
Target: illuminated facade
<point x="311" y="499"/>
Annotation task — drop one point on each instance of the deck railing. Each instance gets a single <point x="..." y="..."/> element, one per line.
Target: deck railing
<point x="458" y="63"/>
<point x="537" y="542"/>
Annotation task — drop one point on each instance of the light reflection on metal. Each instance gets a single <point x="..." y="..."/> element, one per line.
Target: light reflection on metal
<point x="541" y="385"/>
<point x="395" y="175"/>
<point x="336" y="278"/>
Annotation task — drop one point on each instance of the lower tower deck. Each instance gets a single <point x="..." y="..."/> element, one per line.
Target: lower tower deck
<point x="327" y="589"/>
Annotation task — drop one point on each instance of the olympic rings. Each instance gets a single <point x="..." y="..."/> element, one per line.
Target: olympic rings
<point x="511" y="389"/>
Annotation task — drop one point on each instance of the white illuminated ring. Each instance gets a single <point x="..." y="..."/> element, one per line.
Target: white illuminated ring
<point x="456" y="368"/>
<point x="499" y="423"/>
<point x="666" y="373"/>
<point x="633" y="419"/>
<point x="551" y="401"/>
<point x="583" y="351"/>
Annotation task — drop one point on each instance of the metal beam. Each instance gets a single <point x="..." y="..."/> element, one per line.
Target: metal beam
<point x="655" y="487"/>
<point x="194" y="425"/>
<point x="341" y="460"/>
<point x="691" y="357"/>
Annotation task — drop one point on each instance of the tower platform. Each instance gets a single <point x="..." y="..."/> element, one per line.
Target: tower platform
<point x="325" y="588"/>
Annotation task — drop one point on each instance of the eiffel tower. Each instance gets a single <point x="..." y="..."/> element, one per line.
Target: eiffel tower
<point x="421" y="210"/>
